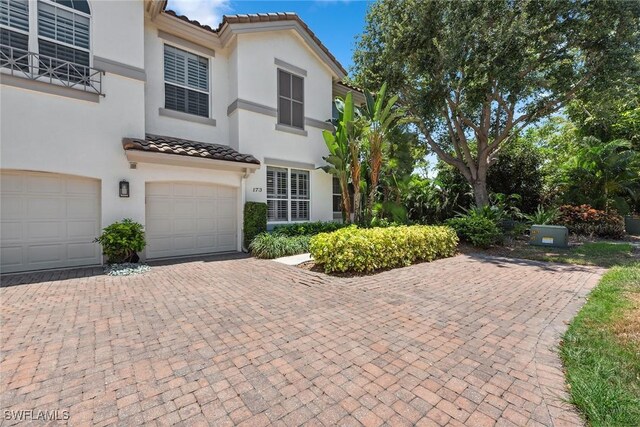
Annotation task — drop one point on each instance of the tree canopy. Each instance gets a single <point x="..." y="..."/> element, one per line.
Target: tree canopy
<point x="479" y="71"/>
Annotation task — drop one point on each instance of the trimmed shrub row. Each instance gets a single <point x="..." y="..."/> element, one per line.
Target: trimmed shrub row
<point x="354" y="249"/>
<point x="587" y="221"/>
<point x="307" y="228"/>
<point x="270" y="246"/>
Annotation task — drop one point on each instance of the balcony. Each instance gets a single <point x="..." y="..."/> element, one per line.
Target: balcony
<point x="36" y="67"/>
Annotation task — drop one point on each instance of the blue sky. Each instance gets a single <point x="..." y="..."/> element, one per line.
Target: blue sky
<point x="335" y="22"/>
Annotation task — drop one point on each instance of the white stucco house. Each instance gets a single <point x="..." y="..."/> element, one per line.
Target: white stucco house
<point x="112" y="110"/>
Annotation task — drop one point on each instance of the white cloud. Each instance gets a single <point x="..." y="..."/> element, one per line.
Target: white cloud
<point x="207" y="12"/>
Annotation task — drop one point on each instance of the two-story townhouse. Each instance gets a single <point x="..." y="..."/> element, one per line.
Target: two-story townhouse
<point x="123" y="109"/>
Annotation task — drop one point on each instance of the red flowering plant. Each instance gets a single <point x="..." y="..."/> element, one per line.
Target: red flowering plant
<point x="587" y="221"/>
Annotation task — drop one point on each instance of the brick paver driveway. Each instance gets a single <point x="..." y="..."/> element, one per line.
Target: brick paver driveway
<point x="242" y="341"/>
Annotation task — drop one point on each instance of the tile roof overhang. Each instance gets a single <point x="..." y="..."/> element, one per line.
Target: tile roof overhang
<point x="255" y="20"/>
<point x="183" y="152"/>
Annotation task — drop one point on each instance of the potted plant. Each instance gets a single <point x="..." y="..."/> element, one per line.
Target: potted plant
<point x="121" y="241"/>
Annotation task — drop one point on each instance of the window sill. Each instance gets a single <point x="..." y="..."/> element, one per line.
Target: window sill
<point x="186" y="117"/>
<point x="291" y="129"/>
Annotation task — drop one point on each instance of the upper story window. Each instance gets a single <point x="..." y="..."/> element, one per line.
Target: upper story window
<point x="63" y="32"/>
<point x="290" y="99"/>
<point x="186" y="81"/>
<point x="57" y="50"/>
<point x="14" y="27"/>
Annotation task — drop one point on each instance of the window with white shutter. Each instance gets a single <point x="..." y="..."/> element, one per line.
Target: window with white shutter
<point x="186" y="81"/>
<point x="14" y="30"/>
<point x="64" y="36"/>
<point x="288" y="194"/>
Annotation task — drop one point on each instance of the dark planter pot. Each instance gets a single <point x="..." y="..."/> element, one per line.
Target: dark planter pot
<point x="632" y="225"/>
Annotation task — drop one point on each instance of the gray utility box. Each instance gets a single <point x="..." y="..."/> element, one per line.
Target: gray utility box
<point x="632" y="225"/>
<point x="549" y="235"/>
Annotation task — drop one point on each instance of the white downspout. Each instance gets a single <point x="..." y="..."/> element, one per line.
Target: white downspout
<point x="243" y="198"/>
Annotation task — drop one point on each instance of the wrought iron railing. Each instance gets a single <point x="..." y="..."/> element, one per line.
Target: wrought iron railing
<point x="38" y="67"/>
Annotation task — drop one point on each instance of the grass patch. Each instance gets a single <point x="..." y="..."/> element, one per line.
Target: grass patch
<point x="602" y="364"/>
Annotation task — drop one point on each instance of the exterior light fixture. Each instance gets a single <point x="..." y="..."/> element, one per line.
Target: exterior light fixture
<point x="124" y="188"/>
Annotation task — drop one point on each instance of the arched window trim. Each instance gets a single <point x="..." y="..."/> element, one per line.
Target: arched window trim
<point x="71" y="9"/>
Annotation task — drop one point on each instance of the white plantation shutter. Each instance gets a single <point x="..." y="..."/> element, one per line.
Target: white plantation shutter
<point x="280" y="202"/>
<point x="15" y="14"/>
<point x="186" y="78"/>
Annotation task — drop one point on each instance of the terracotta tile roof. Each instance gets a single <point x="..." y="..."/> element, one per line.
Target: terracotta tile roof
<point x="350" y="86"/>
<point x="262" y="17"/>
<point x="184" y="147"/>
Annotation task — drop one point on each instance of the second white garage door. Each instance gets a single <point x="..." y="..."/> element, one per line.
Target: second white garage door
<point x="190" y="219"/>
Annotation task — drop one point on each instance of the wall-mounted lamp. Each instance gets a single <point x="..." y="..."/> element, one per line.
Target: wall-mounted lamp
<point x="124" y="188"/>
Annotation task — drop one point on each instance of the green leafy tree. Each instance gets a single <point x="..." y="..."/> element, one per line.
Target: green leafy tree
<point x="603" y="174"/>
<point x="481" y="70"/>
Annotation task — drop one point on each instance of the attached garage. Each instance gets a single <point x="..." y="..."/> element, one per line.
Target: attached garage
<point x="48" y="221"/>
<point x="184" y="218"/>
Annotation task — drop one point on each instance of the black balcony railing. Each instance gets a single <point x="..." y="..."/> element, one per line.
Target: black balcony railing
<point x="43" y="68"/>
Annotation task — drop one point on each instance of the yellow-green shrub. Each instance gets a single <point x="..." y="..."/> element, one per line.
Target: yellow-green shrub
<point x="369" y="249"/>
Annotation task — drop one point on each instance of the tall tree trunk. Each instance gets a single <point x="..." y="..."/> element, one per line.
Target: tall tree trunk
<point x="346" y="202"/>
<point x="480" y="192"/>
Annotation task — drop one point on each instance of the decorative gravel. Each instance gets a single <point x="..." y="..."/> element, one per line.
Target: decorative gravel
<point x="126" y="269"/>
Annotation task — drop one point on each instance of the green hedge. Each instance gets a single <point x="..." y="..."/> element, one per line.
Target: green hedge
<point x="365" y="250"/>
<point x="255" y="221"/>
<point x="270" y="246"/>
<point x="307" y="228"/>
<point x="477" y="230"/>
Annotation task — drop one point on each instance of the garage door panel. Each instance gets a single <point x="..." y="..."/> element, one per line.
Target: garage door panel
<point x="227" y="192"/>
<point x="226" y="241"/>
<point x="81" y="230"/>
<point x="52" y="253"/>
<point x="226" y="224"/>
<point x="81" y="251"/>
<point x="191" y="217"/>
<point x="81" y="208"/>
<point x="185" y="226"/>
<point x="161" y="208"/>
<point x="11" y="231"/>
<point x="206" y="226"/>
<point x="12" y="183"/>
<point x="12" y="207"/>
<point x="206" y="209"/>
<point x="11" y="256"/>
<point x="185" y="242"/>
<point x="159" y="189"/>
<point x="50" y="222"/>
<point x="45" y="207"/>
<point x="207" y="191"/>
<point x="45" y="231"/>
<point x="206" y="241"/>
<point x="185" y="189"/>
<point x="45" y="184"/>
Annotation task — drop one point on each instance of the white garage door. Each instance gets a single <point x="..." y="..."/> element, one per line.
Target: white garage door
<point x="190" y="218"/>
<point x="48" y="221"/>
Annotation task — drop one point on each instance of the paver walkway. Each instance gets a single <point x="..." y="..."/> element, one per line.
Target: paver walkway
<point x="242" y="341"/>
